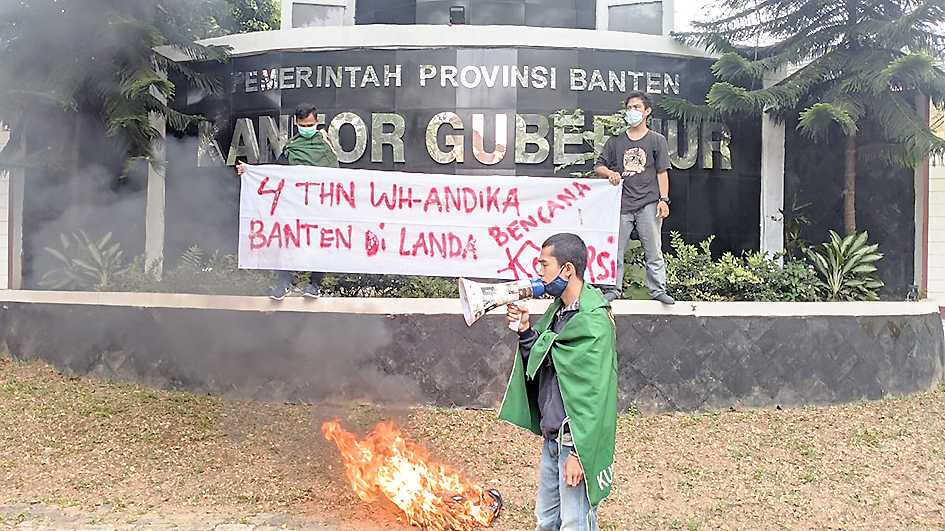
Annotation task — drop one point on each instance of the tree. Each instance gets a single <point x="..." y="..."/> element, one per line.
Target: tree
<point x="851" y="64"/>
<point x="252" y="15"/>
<point x="62" y="61"/>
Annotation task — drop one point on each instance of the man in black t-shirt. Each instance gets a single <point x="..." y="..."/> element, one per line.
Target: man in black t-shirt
<point x="639" y="159"/>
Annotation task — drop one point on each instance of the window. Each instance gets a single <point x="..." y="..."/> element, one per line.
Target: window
<point x="307" y="15"/>
<point x="637" y="16"/>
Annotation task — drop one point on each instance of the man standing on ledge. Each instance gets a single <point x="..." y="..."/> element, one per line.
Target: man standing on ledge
<point x="564" y="388"/>
<point x="310" y="147"/>
<point x="640" y="159"/>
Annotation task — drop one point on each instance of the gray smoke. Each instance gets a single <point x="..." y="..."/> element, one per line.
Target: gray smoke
<point x="77" y="180"/>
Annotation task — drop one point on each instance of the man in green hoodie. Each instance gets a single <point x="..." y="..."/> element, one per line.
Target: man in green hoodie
<point x="310" y="147"/>
<point x="564" y="388"/>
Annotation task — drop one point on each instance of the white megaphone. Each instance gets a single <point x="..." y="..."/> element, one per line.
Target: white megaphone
<point x="478" y="299"/>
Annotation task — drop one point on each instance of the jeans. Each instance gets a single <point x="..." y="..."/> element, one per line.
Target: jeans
<point x="560" y="507"/>
<point x="648" y="227"/>
<point x="284" y="279"/>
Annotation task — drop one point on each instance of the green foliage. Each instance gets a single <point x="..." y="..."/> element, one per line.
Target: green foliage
<point x="836" y="66"/>
<point x="82" y="263"/>
<point x="795" y="222"/>
<point x="847" y="268"/>
<point x="817" y="120"/>
<point x="196" y="271"/>
<point x="226" y="17"/>
<point x="693" y="274"/>
<point x="354" y="285"/>
<point x="851" y="61"/>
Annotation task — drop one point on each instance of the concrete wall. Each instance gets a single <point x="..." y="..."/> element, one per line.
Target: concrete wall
<point x="689" y="357"/>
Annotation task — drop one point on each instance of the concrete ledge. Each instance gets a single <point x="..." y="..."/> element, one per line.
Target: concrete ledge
<point x="690" y="356"/>
<point x="387" y="306"/>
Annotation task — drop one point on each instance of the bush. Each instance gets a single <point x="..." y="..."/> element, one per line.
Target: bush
<point x="692" y="274"/>
<point x="353" y="285"/>
<point x="82" y="263"/>
<point x="196" y="271"/>
<point x="846" y="265"/>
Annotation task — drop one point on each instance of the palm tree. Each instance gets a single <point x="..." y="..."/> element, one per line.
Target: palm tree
<point x="850" y="63"/>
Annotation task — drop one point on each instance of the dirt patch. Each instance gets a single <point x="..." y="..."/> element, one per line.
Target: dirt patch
<point x="126" y="455"/>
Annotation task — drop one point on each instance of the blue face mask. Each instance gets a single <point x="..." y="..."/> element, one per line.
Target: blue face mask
<point x="556" y="287"/>
<point x="633" y="117"/>
<point x="307" y="132"/>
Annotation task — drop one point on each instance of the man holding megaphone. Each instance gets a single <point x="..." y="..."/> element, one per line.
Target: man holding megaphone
<point x="564" y="388"/>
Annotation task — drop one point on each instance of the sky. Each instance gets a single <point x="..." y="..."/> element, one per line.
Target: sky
<point x="686" y="12"/>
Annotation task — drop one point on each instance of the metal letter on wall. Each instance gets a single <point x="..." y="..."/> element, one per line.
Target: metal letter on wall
<point x="563" y="139"/>
<point x="501" y="139"/>
<point x="360" y="140"/>
<point x="710" y="146"/>
<point x="395" y="138"/>
<point x="681" y="162"/>
<point x="208" y="150"/>
<point x="244" y="143"/>
<point x="272" y="140"/>
<point x="539" y="138"/>
<point x="454" y="141"/>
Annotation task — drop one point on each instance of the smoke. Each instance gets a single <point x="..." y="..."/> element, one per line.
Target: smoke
<point x="68" y="54"/>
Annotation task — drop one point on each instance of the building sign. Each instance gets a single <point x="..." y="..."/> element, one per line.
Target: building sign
<point x="458" y="111"/>
<point x="418" y="114"/>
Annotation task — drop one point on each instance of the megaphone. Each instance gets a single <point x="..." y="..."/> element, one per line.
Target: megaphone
<point x="478" y="299"/>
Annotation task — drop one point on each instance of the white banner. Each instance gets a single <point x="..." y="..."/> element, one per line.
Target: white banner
<point x="302" y="218"/>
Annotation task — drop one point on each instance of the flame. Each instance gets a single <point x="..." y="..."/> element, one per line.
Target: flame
<point x="384" y="465"/>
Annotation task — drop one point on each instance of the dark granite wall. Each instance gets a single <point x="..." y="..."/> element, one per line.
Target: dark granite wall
<point x="667" y="363"/>
<point x="885" y="203"/>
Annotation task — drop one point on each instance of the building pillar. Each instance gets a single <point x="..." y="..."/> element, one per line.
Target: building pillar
<point x="772" y="181"/>
<point x="154" y="223"/>
<point x="12" y="181"/>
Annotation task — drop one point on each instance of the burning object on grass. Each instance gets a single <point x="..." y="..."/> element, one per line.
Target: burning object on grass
<point x="431" y="495"/>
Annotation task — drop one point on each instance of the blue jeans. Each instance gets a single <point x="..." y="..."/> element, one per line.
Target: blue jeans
<point x="284" y="279"/>
<point x="560" y="507"/>
<point x="648" y="228"/>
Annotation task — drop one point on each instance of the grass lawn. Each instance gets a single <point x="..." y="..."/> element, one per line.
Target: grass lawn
<point x="79" y="451"/>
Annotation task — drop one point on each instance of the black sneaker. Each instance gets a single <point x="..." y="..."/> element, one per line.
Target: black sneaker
<point x="312" y="292"/>
<point x="277" y="293"/>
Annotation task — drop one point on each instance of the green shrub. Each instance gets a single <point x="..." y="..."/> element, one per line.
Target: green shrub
<point x="354" y="285"/>
<point x="82" y="263"/>
<point x="196" y="271"/>
<point x="846" y="267"/>
<point x="692" y="274"/>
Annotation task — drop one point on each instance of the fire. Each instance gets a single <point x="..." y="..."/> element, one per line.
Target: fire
<point x="384" y="465"/>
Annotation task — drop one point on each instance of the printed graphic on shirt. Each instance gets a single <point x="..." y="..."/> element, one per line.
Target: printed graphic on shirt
<point x="634" y="161"/>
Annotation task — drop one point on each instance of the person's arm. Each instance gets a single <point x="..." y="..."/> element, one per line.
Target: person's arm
<point x="526" y="335"/>
<point x="662" y="176"/>
<point x="605" y="161"/>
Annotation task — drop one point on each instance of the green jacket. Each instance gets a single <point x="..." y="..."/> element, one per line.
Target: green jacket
<point x="315" y="151"/>
<point x="585" y="357"/>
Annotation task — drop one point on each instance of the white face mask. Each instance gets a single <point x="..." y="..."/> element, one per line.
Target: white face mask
<point x="633" y="117"/>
